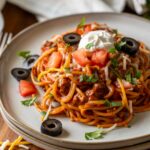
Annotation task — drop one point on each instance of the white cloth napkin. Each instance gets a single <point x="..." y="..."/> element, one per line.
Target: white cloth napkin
<point x="53" y="8"/>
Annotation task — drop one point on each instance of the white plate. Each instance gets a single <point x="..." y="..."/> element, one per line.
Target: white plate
<point x="1" y="22"/>
<point x="28" y="119"/>
<point x="31" y="139"/>
<point x="47" y="146"/>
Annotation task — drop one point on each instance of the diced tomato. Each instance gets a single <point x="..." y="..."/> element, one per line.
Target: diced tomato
<point x="81" y="57"/>
<point x="55" y="60"/>
<point x="100" y="57"/>
<point x="80" y="31"/>
<point x="26" y="88"/>
<point x="84" y="29"/>
<point x="87" y="28"/>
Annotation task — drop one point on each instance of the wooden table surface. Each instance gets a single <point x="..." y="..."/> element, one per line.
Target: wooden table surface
<point x="17" y="19"/>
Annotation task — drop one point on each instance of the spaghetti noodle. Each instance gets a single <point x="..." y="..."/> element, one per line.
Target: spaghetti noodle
<point x="93" y="94"/>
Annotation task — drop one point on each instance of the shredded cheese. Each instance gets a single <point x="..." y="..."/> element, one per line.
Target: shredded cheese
<point x="23" y="146"/>
<point x="130" y="107"/>
<point x="4" y="145"/>
<point x="106" y="73"/>
<point x="110" y="129"/>
<point x="47" y="113"/>
<point x="18" y="142"/>
<point x="125" y="59"/>
<point x="124" y="97"/>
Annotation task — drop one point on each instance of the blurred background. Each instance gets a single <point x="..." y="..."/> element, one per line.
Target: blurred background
<point x="16" y="15"/>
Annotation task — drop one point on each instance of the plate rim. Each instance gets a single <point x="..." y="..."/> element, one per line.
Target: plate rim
<point x="19" y="131"/>
<point x="42" y="23"/>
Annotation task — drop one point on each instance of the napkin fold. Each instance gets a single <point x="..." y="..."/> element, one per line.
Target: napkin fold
<point x="53" y="8"/>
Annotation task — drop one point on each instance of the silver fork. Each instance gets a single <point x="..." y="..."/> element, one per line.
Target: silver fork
<point x="5" y="39"/>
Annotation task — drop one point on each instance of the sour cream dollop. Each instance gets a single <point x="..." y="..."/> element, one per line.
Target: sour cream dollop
<point x="96" y="40"/>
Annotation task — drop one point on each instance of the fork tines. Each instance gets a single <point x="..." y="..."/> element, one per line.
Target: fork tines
<point x="5" y="38"/>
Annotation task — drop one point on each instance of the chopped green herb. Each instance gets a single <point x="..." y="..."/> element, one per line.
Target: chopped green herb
<point x="82" y="22"/>
<point x="128" y="77"/>
<point x="98" y="134"/>
<point x="112" y="50"/>
<point x="94" y="135"/>
<point x="93" y="78"/>
<point x="89" y="45"/>
<point x="138" y="74"/>
<point x="115" y="72"/>
<point x="51" y="95"/>
<point x="134" y="81"/>
<point x="29" y="102"/>
<point x="112" y="104"/>
<point x="119" y="45"/>
<point x="114" y="62"/>
<point x="24" y="54"/>
<point x="67" y="70"/>
<point x="43" y="113"/>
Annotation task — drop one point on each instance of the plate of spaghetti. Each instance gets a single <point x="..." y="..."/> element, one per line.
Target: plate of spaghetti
<point x="91" y="75"/>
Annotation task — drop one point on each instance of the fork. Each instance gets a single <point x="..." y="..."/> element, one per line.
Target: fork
<point x="5" y="39"/>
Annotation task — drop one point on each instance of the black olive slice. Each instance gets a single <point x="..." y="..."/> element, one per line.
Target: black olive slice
<point x="20" y="73"/>
<point x="131" y="46"/>
<point x="72" y="38"/>
<point x="29" y="61"/>
<point x="52" y="127"/>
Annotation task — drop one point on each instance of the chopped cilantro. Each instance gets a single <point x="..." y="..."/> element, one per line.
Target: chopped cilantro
<point x="29" y="102"/>
<point x="114" y="62"/>
<point x="134" y="81"/>
<point x="115" y="72"/>
<point x="94" y="135"/>
<point x="130" y="79"/>
<point x="112" y="104"/>
<point x="24" y="54"/>
<point x="43" y="113"/>
<point x="82" y="22"/>
<point x="93" y="78"/>
<point x="89" y="45"/>
<point x="119" y="45"/>
<point x="98" y="134"/>
<point x="138" y="74"/>
<point x="112" y="50"/>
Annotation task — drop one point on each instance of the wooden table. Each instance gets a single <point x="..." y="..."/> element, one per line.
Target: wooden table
<point x="17" y="19"/>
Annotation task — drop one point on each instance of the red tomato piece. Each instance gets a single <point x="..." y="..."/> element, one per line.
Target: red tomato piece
<point x="87" y="28"/>
<point x="55" y="60"/>
<point x="26" y="88"/>
<point x="100" y="57"/>
<point x="80" y="31"/>
<point x="81" y="57"/>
